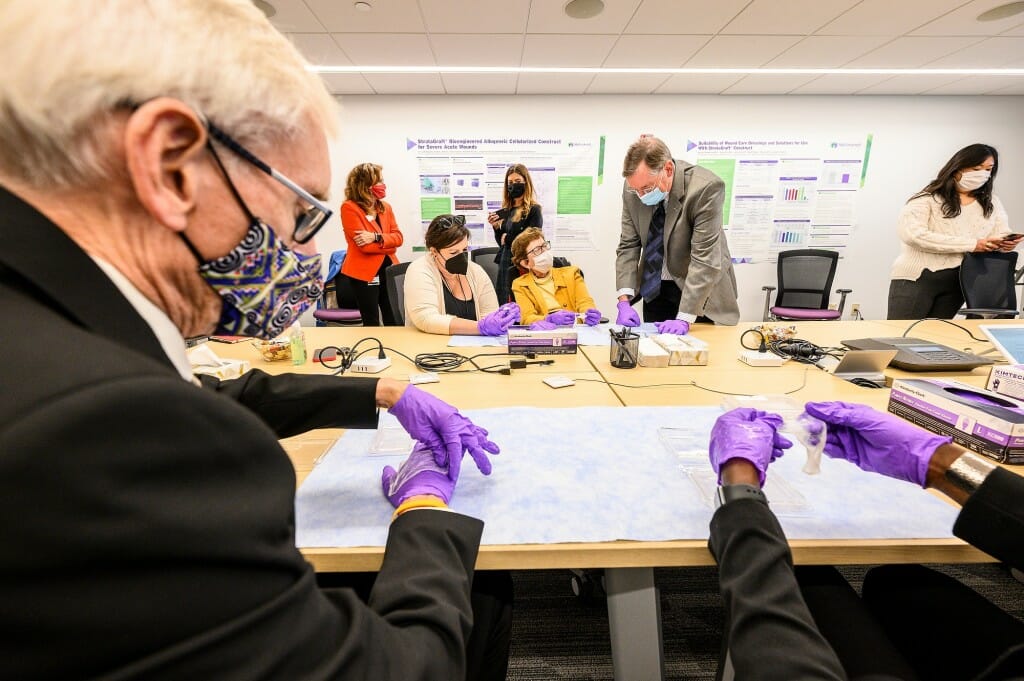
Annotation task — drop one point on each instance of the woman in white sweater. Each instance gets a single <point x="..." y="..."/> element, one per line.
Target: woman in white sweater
<point x="955" y="214"/>
<point x="447" y="293"/>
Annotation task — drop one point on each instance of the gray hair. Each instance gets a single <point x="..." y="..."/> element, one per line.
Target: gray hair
<point x="69" y="66"/>
<point x="650" y="150"/>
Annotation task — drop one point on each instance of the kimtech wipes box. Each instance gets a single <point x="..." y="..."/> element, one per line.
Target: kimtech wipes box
<point x="1007" y="380"/>
<point x="977" y="419"/>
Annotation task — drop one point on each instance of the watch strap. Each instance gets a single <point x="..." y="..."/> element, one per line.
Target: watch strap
<point x="727" y="493"/>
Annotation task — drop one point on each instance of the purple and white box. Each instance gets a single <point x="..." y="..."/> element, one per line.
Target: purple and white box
<point x="977" y="419"/>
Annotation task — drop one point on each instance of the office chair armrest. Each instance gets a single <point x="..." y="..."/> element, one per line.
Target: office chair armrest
<point x="842" y="298"/>
<point x="988" y="312"/>
<point x="767" y="304"/>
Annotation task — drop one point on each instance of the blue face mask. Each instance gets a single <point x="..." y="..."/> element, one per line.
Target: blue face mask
<point x="653" y="197"/>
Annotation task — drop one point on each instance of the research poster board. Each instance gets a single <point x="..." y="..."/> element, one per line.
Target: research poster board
<point x="465" y="176"/>
<point x="786" y="193"/>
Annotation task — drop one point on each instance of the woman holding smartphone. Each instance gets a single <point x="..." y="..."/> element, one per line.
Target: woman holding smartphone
<point x="518" y="211"/>
<point x="955" y="213"/>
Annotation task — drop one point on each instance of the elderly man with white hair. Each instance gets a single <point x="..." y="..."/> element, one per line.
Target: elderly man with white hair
<point x="163" y="169"/>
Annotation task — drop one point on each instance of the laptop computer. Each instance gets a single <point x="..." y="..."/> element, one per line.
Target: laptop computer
<point x="866" y="364"/>
<point x="1007" y="339"/>
<point x="914" y="354"/>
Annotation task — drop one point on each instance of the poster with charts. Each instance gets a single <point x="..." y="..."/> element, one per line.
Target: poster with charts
<point x="787" y="192"/>
<point x="464" y="176"/>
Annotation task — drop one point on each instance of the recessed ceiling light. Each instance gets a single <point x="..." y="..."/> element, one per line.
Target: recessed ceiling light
<point x="583" y="9"/>
<point x="362" y="6"/>
<point x="265" y="7"/>
<point x="1002" y="11"/>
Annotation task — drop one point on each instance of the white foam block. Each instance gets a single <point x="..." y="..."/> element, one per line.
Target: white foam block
<point x="652" y="354"/>
<point x="683" y="350"/>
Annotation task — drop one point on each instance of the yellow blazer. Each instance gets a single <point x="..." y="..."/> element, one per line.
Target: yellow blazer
<point x="570" y="292"/>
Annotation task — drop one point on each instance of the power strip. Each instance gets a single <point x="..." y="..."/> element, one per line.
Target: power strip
<point x="760" y="359"/>
<point x="370" y="365"/>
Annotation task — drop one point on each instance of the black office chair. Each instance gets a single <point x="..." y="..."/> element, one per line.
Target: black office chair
<point x="805" y="278"/>
<point x="988" y="283"/>
<point x="394" y="279"/>
<point x="485" y="258"/>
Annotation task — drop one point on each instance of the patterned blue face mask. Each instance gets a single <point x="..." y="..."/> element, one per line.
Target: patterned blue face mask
<point x="265" y="285"/>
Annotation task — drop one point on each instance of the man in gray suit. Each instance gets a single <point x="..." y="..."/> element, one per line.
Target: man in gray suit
<point x="672" y="249"/>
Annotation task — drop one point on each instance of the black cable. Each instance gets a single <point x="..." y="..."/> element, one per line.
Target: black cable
<point x="945" y="321"/>
<point x="803" y="351"/>
<point x="692" y="384"/>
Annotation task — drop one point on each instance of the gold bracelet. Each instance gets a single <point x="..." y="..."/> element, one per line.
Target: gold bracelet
<point x="968" y="471"/>
<point x="419" y="501"/>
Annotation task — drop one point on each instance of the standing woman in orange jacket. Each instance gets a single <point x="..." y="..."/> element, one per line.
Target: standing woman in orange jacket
<point x="373" y="237"/>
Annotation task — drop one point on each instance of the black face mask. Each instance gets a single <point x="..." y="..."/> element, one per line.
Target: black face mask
<point x="458" y="264"/>
<point x="516" y="189"/>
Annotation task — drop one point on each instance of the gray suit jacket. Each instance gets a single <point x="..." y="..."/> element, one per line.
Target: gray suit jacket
<point x="697" y="253"/>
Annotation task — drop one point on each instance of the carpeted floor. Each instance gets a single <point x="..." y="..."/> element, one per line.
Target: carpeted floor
<point x="558" y="636"/>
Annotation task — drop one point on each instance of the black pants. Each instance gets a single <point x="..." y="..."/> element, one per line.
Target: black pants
<point x="491" y="597"/>
<point x="912" y="623"/>
<point x="372" y="299"/>
<point x="666" y="305"/>
<point x="933" y="294"/>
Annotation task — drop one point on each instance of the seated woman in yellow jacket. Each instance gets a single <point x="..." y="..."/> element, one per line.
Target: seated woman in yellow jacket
<point x="548" y="296"/>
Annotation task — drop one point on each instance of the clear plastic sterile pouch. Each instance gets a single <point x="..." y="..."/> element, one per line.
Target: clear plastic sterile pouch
<point x="806" y="429"/>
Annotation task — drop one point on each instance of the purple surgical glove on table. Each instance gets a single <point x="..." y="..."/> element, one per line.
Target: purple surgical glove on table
<point x="441" y="428"/>
<point x="679" y="327"/>
<point x="419" y="474"/>
<point x="498" y="321"/>
<point x="592" y="317"/>
<point x="627" y="315"/>
<point x="561" y="318"/>
<point x="749" y="434"/>
<point x="876" y="441"/>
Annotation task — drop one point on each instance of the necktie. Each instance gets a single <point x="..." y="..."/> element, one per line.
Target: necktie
<point x="654" y="256"/>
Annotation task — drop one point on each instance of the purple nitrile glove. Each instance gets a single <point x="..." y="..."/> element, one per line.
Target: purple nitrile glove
<point x="592" y="317"/>
<point x="749" y="434"/>
<point x="627" y="315"/>
<point x="876" y="441"/>
<point x="442" y="429"/>
<point x="679" y="327"/>
<point x="419" y="474"/>
<point x="561" y="318"/>
<point x="498" y="321"/>
<point x="542" y="325"/>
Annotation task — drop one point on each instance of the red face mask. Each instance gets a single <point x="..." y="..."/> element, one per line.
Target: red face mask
<point x="380" y="190"/>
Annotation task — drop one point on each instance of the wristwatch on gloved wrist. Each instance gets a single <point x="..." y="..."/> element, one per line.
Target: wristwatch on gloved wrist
<point x="727" y="493"/>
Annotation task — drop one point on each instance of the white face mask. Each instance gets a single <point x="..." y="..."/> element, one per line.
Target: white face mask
<point x="542" y="263"/>
<point x="972" y="179"/>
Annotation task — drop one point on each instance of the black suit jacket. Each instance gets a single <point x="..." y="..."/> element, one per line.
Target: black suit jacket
<point x="147" y="524"/>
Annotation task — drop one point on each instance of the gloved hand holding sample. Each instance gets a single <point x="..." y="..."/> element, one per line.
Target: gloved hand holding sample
<point x="561" y="317"/>
<point x="876" y="441"/>
<point x="498" y="321"/>
<point x="592" y="317"/>
<point x="749" y="434"/>
<point x="627" y="315"/>
<point x="418" y="475"/>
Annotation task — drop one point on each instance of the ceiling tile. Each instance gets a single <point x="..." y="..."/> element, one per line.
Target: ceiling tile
<point x="908" y="85"/>
<point x="1017" y="30"/>
<point x="453" y="49"/>
<point x="386" y="49"/>
<point x="1015" y="89"/>
<point x="475" y="16"/>
<point x="566" y="50"/>
<point x="654" y="50"/>
<point x="963" y="21"/>
<point x="479" y="83"/>
<point x="553" y="83"/>
<point x="908" y="53"/>
<point x="625" y="83"/>
<point x="406" y="83"/>
<point x="684" y="16"/>
<point x="888" y="17"/>
<point x="387" y="16"/>
<point x="989" y="53"/>
<point x="733" y="51"/>
<point x="828" y="52"/>
<point x="839" y="84"/>
<point x="792" y="17"/>
<point x="767" y="84"/>
<point x="547" y="16"/>
<point x="319" y="48"/>
<point x="293" y="16"/>
<point x="346" y="84"/>
<point x="975" y="85"/>
<point x="697" y="83"/>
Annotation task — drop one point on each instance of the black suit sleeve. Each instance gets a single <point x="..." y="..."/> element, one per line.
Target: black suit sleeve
<point x="993" y="517"/>
<point x="295" y="403"/>
<point x="771" y="634"/>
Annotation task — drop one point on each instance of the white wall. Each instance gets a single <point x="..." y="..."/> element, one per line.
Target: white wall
<point x="913" y="137"/>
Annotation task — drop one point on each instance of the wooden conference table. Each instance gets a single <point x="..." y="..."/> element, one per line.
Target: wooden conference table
<point x="629" y="580"/>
